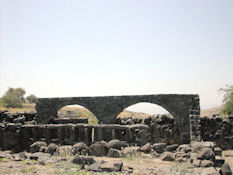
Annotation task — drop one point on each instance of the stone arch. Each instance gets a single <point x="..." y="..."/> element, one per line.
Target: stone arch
<point x="184" y="108"/>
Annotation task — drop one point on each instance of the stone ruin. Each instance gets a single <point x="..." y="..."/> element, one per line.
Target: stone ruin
<point x="159" y="133"/>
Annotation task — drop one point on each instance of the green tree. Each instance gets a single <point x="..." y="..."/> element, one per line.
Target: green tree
<point x="13" y="97"/>
<point x="31" y="98"/>
<point x="227" y="100"/>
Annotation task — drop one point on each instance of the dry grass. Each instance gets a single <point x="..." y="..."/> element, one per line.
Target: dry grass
<point x="126" y="113"/>
<point x="27" y="107"/>
<point x="210" y="111"/>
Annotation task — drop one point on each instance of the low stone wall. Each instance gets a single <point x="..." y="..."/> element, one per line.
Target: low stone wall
<point x="218" y="130"/>
<point x="18" y="137"/>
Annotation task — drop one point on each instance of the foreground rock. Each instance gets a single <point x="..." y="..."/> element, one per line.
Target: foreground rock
<point x="35" y="147"/>
<point x="99" y="149"/>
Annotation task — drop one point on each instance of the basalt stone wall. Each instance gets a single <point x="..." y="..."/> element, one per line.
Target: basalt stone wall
<point x="107" y="108"/>
<point x="219" y="130"/>
<point x="18" y="137"/>
<point x="163" y="128"/>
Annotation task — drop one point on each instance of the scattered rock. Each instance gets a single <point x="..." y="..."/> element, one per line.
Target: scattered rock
<point x="225" y="169"/>
<point x="41" y="157"/>
<point x="83" y="160"/>
<point x="218" y="151"/>
<point x="64" y="150"/>
<point x="117" y="144"/>
<point x="146" y="148"/>
<point x="52" y="148"/>
<point x="111" y="166"/>
<point x="114" y="153"/>
<point x="209" y="171"/>
<point x="99" y="149"/>
<point x="35" y="147"/>
<point x="171" y="148"/>
<point x="80" y="149"/>
<point x="197" y="163"/>
<point x="167" y="156"/>
<point x="130" y="150"/>
<point x="159" y="147"/>
<point x="207" y="163"/>
<point x="219" y="161"/>
<point x="206" y="153"/>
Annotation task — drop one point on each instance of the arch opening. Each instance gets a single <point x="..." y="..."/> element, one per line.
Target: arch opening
<point x="143" y="110"/>
<point x="161" y="122"/>
<point x="76" y="112"/>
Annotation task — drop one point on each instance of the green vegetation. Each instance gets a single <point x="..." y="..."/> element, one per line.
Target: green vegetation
<point x="31" y="98"/>
<point x="13" y="98"/>
<point x="227" y="108"/>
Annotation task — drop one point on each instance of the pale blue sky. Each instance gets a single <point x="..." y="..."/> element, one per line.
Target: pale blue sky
<point x="61" y="48"/>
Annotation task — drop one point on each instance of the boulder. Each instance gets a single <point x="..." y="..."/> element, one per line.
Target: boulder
<point x="111" y="166"/>
<point x="130" y="150"/>
<point x="206" y="154"/>
<point x="83" y="160"/>
<point x="64" y="150"/>
<point x="114" y="153"/>
<point x="41" y="157"/>
<point x="35" y="147"/>
<point x="218" y="151"/>
<point x="117" y="144"/>
<point x="207" y="163"/>
<point x="80" y="149"/>
<point x="209" y="171"/>
<point x="225" y="169"/>
<point x="159" y="147"/>
<point x="99" y="149"/>
<point x="219" y="161"/>
<point x="171" y="148"/>
<point x="52" y="148"/>
<point x="146" y="148"/>
<point x="197" y="163"/>
<point x="167" y="156"/>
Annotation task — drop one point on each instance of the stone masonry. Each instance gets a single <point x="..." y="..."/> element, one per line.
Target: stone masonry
<point x="106" y="109"/>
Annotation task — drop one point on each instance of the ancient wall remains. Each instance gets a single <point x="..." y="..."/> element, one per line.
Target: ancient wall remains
<point x="107" y="108"/>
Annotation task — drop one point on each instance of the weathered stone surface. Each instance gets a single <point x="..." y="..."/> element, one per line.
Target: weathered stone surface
<point x="130" y="150"/>
<point x="171" y="148"/>
<point x="206" y="153"/>
<point x="117" y="144"/>
<point x="83" y="160"/>
<point x="52" y="148"/>
<point x="209" y="171"/>
<point x="225" y="169"/>
<point x="111" y="166"/>
<point x="114" y="153"/>
<point x="207" y="163"/>
<point x="167" y="156"/>
<point x="218" y="151"/>
<point x="99" y="149"/>
<point x="80" y="148"/>
<point x="178" y="105"/>
<point x="219" y="161"/>
<point x="35" y="147"/>
<point x="197" y="163"/>
<point x="159" y="147"/>
<point x="40" y="157"/>
<point x="64" y="150"/>
<point x="146" y="148"/>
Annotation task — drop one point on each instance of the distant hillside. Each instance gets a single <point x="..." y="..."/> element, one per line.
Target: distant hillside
<point x="210" y="111"/>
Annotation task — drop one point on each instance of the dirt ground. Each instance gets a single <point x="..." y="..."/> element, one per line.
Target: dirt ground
<point x="137" y="165"/>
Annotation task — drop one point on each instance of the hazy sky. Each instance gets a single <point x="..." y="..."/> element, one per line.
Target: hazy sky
<point x="61" y="48"/>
